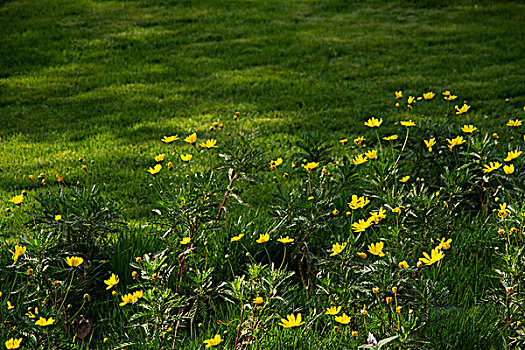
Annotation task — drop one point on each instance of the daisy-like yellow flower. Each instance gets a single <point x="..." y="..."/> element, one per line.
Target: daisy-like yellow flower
<point x="376" y="217"/>
<point x="511" y="155"/>
<point x="343" y="319"/>
<point x="404" y="179"/>
<point x="17" y="199"/>
<point x="275" y="163"/>
<point x="360" y="159"/>
<point x="291" y="321"/>
<point x="43" y="322"/>
<point x="131" y="298"/>
<point x="390" y="138"/>
<point x="403" y="265"/>
<point x="13" y="343"/>
<point x="185" y="240"/>
<point x="343" y="141"/>
<point x="411" y="99"/>
<point x="191" y="139"/>
<point x="285" y="239"/>
<point x="58" y="217"/>
<point x="74" y="261"/>
<point x="444" y="243"/>
<point x="310" y="166"/>
<point x="213" y="341"/>
<point x="376" y="248"/>
<point x="397" y="210"/>
<point x="112" y="281"/>
<point x="399" y="94"/>
<point x="469" y="129"/>
<point x="455" y="142"/>
<point x="170" y="165"/>
<point x="429" y="95"/>
<point x="450" y="97"/>
<point x="503" y="211"/>
<point x="374" y="122"/>
<point x="516" y="122"/>
<point x="9" y="305"/>
<point x="334" y="310"/>
<point x="237" y="238"/>
<point x="170" y="139"/>
<point x="19" y="251"/>
<point x="155" y="170"/>
<point x="359" y="141"/>
<point x="258" y="300"/>
<point x="508" y="169"/>
<point x="436" y="255"/>
<point x="361" y="255"/>
<point x="407" y="123"/>
<point x="358" y="202"/>
<point x="372" y="154"/>
<point x="463" y="108"/>
<point x="210" y="143"/>
<point x="335" y="212"/>
<point x="160" y="158"/>
<point x="430" y="143"/>
<point x="491" y="167"/>
<point x="186" y="157"/>
<point x="338" y="248"/>
<point x="362" y="224"/>
<point x="263" y="238"/>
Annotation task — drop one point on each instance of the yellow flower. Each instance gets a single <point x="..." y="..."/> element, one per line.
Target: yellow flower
<point x="436" y="255"/>
<point x="311" y="198"/>
<point x="469" y="129"/>
<point x="291" y="321"/>
<point x="58" y="217"/>
<point x="338" y="248"/>
<point x="362" y="225"/>
<point x="357" y="203"/>
<point x="516" y="122"/>
<point x="390" y="138"/>
<point x="9" y="306"/>
<point x="213" y="341"/>
<point x="310" y="166"/>
<point x="334" y="310"/>
<point x="17" y="199"/>
<point x="455" y="142"/>
<point x="404" y="179"/>
<point x="191" y="139"/>
<point x="363" y="311"/>
<point x="375" y="290"/>
<point x="450" y="98"/>
<point x="407" y="123"/>
<point x="19" y="251"/>
<point x="343" y="141"/>
<point x="444" y="244"/>
<point x="210" y="143"/>
<point x="511" y="155"/>
<point x="359" y="141"/>
<point x="360" y="159"/>
<point x="134" y="275"/>
<point x="376" y="248"/>
<point x="335" y="212"/>
<point x="399" y="94"/>
<point x="155" y="170"/>
<point x="186" y="157"/>
<point x="388" y="300"/>
<point x="74" y="261"/>
<point x="43" y="322"/>
<point x="403" y="265"/>
<point x="112" y="281"/>
<point x="378" y="216"/>
<point x="463" y="109"/>
<point x="428" y="95"/>
<point x="508" y="169"/>
<point x="285" y="239"/>
<point x="275" y="163"/>
<point x="160" y="158"/>
<point x="394" y="290"/>
<point x="185" y="240"/>
<point x="258" y="300"/>
<point x="372" y="154"/>
<point x="398" y="309"/>
<point x="32" y="315"/>
<point x="503" y="211"/>
<point x="13" y="343"/>
<point x="237" y="238"/>
<point x="397" y="210"/>
<point x="170" y="165"/>
<point x="374" y="122"/>
<point x="170" y="139"/>
<point x="131" y="298"/>
<point x="491" y="167"/>
<point x="354" y="333"/>
<point x="411" y="99"/>
<point x="263" y="238"/>
<point x="343" y="319"/>
<point x="361" y="255"/>
<point x="446" y="93"/>
<point x="429" y="143"/>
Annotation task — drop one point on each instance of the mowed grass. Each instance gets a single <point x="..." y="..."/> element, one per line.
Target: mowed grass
<point x="105" y="80"/>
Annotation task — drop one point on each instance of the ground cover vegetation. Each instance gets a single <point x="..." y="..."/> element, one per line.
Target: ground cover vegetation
<point x="261" y="175"/>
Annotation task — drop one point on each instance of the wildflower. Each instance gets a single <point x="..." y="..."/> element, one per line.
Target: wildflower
<point x="155" y="170"/>
<point x="411" y="99"/>
<point x="436" y="255"/>
<point x="513" y="231"/>
<point x="134" y="275"/>
<point x="419" y="264"/>
<point x="112" y="281"/>
<point x="338" y="248"/>
<point x="354" y="333"/>
<point x="191" y="139"/>
<point x="419" y="98"/>
<point x="275" y="163"/>
<point x="398" y="309"/>
<point x="501" y="232"/>
<point x="376" y="248"/>
<point x="357" y="203"/>
<point x="186" y="157"/>
<point x="360" y="159"/>
<point x="511" y="155"/>
<point x="291" y="321"/>
<point x="374" y="122"/>
<point x="160" y="158"/>
<point x="185" y="240"/>
<point x="508" y="169"/>
<point x="397" y="210"/>
<point x="450" y="98"/>
<point x="131" y="298"/>
<point x="390" y="138"/>
<point x="285" y="239"/>
<point x="403" y="265"/>
<point x="444" y="244"/>
<point x="58" y="217"/>
<point x="378" y="216"/>
<point x="429" y="143"/>
<point x="311" y="198"/>
<point x="343" y="141"/>
<point x="455" y="142"/>
<point x="372" y="154"/>
<point x="285" y="175"/>
<point x="362" y="225"/>
<point x="397" y="104"/>
<point x="469" y="129"/>
<point x="363" y="311"/>
<point x="325" y="172"/>
<point x="335" y="212"/>
<point x="258" y="300"/>
<point x="446" y="93"/>
<point x="210" y="143"/>
<point x="361" y="255"/>
<point x="74" y="261"/>
<point x="9" y="306"/>
<point x="84" y="167"/>
<point x="263" y="238"/>
<point x="407" y="123"/>
<point x="394" y="290"/>
<point x="429" y="95"/>
<point x="399" y="94"/>
<point x="503" y="211"/>
<point x="13" y="343"/>
<point x="30" y="272"/>
<point x="334" y="310"/>
<point x="310" y="166"/>
<point x="404" y="179"/>
<point x="17" y="199"/>
<point x="170" y="139"/>
<point x="491" y="167"/>
<point x="31" y="177"/>
<point x="375" y="290"/>
<point x="516" y="122"/>
<point x="237" y="238"/>
<point x="388" y="300"/>
<point x="343" y="319"/>
<point x="19" y="251"/>
<point x="59" y="178"/>
<point x="359" y="141"/>
<point x="43" y="322"/>
<point x="138" y="259"/>
<point x="463" y="109"/>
